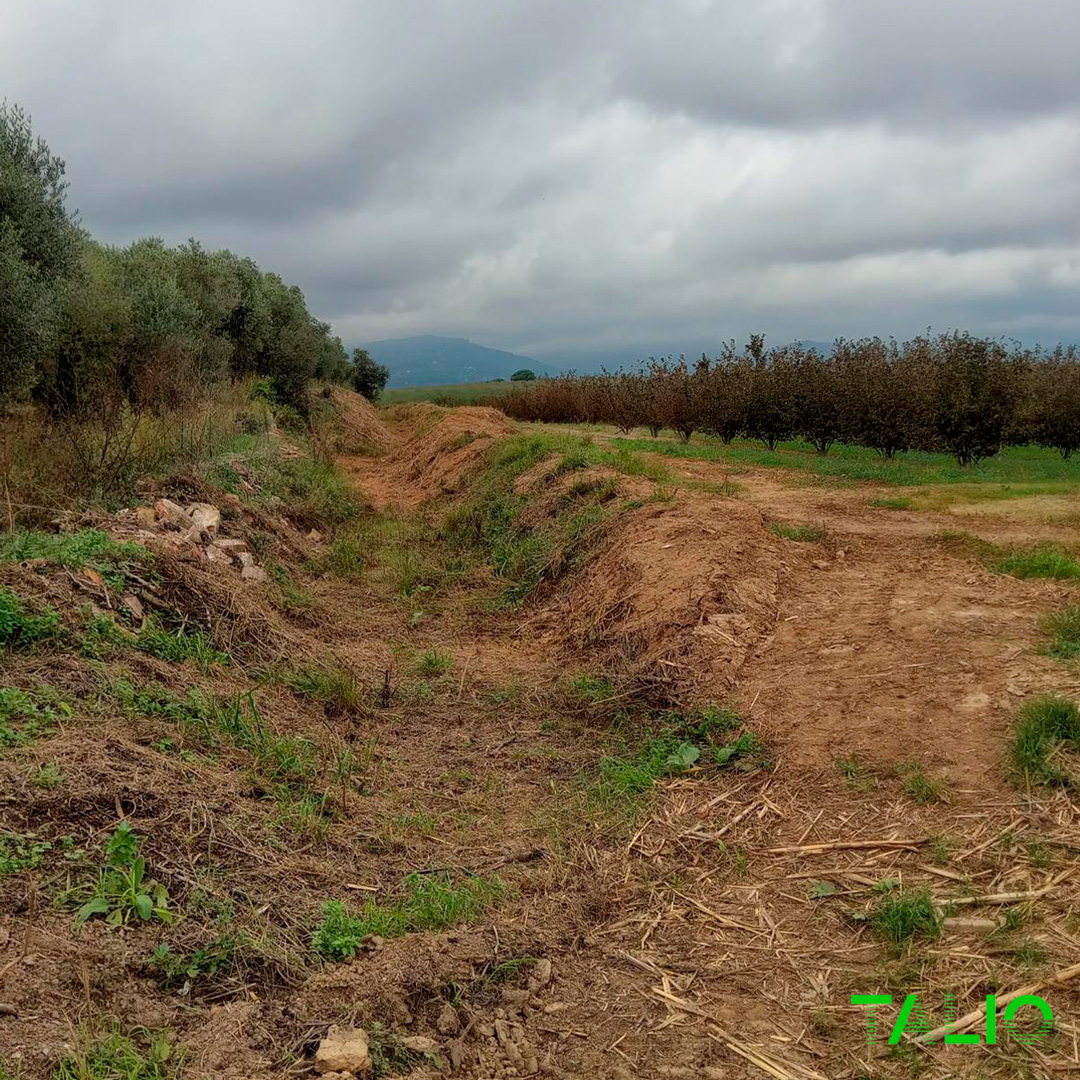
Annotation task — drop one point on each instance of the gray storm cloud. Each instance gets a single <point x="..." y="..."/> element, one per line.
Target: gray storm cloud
<point x="557" y="177"/>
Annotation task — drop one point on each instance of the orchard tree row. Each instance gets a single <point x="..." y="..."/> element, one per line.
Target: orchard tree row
<point x="954" y="393"/>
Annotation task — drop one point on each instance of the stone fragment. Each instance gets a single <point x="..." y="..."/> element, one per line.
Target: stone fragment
<point x="344" y="1050"/>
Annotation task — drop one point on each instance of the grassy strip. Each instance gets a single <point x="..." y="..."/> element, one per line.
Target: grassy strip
<point x="1018" y="464"/>
<point x="431" y="902"/>
<point x="1044" y="560"/>
<point x="523" y="557"/>
<point x="88" y="549"/>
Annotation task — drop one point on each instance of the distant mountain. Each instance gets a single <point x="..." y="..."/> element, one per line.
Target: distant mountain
<point x="431" y="361"/>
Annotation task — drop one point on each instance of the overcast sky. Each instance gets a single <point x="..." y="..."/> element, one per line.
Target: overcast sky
<point x="563" y="176"/>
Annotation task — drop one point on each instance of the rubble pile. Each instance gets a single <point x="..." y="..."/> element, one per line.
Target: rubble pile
<point x="194" y="530"/>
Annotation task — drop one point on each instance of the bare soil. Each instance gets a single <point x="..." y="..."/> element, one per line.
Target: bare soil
<point x="693" y="940"/>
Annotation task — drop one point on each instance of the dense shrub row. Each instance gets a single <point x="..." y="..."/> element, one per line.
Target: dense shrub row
<point x="86" y="327"/>
<point x="956" y="393"/>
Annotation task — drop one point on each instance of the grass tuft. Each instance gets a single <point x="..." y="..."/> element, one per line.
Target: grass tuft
<point x="118" y="1057"/>
<point x="1063" y="629"/>
<point x="900" y="917"/>
<point x="918" y="786"/>
<point x="1045" y="728"/>
<point x="87" y="549"/>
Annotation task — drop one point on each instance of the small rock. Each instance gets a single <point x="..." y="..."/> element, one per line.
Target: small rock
<point x="253" y="573"/>
<point x="205" y="516"/>
<point x="512" y="996"/>
<point x="216" y="554"/>
<point x="146" y="517"/>
<point x="314" y="536"/>
<point x="134" y="605"/>
<point x="540" y="975"/>
<point x="172" y="513"/>
<point x="344" y="1050"/>
<point x="449" y="1023"/>
<point x="420" y="1044"/>
<point x="245" y="558"/>
<point x="714" y="1072"/>
<point x="555" y="1006"/>
<point x="231" y="544"/>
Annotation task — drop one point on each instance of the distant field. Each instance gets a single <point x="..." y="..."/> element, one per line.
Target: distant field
<point x="451" y="394"/>
<point x="1042" y="469"/>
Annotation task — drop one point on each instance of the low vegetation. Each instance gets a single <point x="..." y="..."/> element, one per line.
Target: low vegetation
<point x="1047" y="731"/>
<point x="903" y="916"/>
<point x="713" y="739"/>
<point x="1063" y="630"/>
<point x="430" y="902"/>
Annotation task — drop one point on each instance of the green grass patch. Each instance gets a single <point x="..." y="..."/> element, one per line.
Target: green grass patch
<point x="1016" y="465"/>
<point x="1044" y="561"/>
<point x="26" y="717"/>
<point x="1046" y="730"/>
<point x="451" y="394"/>
<point x="327" y="683"/>
<point x="103" y="637"/>
<point x="179" y="645"/>
<point x="87" y="549"/>
<point x="20" y="853"/>
<point x="891" y="504"/>
<point x="807" y="534"/>
<point x="430" y="902"/>
<point x="591" y="688"/>
<point x="1041" y="561"/>
<point x="902" y="916"/>
<point x="714" y="738"/>
<point x="1063" y="630"/>
<point x="117" y="1057"/>
<point x="22" y="626"/>
<point x="178" y="970"/>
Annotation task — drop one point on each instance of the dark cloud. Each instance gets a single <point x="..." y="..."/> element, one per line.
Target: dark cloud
<point x="561" y="177"/>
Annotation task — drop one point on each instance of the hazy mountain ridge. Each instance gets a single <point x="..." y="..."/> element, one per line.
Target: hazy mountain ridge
<point x="433" y="360"/>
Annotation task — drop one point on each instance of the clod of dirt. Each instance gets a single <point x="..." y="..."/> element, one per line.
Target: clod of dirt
<point x="540" y="975"/>
<point x="344" y="1050"/>
<point x="449" y="1023"/>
